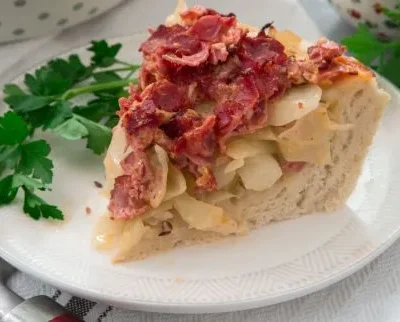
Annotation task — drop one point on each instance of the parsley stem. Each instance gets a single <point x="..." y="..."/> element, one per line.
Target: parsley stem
<point x="123" y="63"/>
<point x="96" y="88"/>
<point x="132" y="68"/>
<point x="130" y="74"/>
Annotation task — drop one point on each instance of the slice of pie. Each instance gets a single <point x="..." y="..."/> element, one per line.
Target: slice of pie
<point x="230" y="128"/>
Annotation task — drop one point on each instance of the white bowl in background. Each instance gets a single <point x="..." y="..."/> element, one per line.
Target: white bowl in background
<point x="21" y="19"/>
<point x="370" y="13"/>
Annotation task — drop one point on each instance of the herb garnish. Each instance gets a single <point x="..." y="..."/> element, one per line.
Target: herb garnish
<point x="47" y="104"/>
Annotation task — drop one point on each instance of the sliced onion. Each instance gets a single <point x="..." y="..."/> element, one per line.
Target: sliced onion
<point x="131" y="236"/>
<point x="306" y="151"/>
<point x="297" y="102"/>
<point x="154" y="212"/>
<point x="203" y="216"/>
<point x="223" y="178"/>
<point x="158" y="218"/>
<point x="234" y="165"/>
<point x="260" y="172"/>
<point x="160" y="163"/>
<point x="265" y="134"/>
<point x="242" y="148"/>
<point x="217" y="196"/>
<point x="106" y="232"/>
<point x="308" y="139"/>
<point x="117" y="151"/>
<point x="222" y="160"/>
<point x="176" y="183"/>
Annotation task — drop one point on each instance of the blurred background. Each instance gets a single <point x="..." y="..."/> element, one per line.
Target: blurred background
<point x="35" y="30"/>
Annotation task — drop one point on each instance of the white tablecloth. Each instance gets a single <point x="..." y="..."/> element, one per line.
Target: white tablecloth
<point x="371" y="294"/>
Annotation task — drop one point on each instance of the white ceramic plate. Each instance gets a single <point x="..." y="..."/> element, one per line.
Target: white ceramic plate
<point x="282" y="261"/>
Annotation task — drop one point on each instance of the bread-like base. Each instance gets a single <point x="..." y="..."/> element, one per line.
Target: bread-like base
<point x="315" y="188"/>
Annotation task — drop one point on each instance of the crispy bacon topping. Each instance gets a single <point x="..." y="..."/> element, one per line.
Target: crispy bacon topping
<point x="192" y="60"/>
<point x="131" y="192"/>
<point x="325" y="51"/>
<point x="325" y="64"/>
<point x="208" y="59"/>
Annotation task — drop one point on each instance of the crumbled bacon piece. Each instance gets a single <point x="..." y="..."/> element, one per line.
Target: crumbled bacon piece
<point x="167" y="96"/>
<point x="218" y="53"/>
<point x="146" y="77"/>
<point x="325" y="51"/>
<point x="207" y="28"/>
<point x="198" y="144"/>
<point x="181" y="123"/>
<point x="192" y="60"/>
<point x="255" y="52"/>
<point x="191" y="15"/>
<point x="125" y="104"/>
<point x="325" y="63"/>
<point x="162" y="36"/>
<point x="288" y="166"/>
<point x="125" y="201"/>
<point x="141" y="123"/>
<point x="131" y="192"/>
<point x="142" y="115"/>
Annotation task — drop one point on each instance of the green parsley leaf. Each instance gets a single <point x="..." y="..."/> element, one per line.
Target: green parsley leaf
<point x="13" y="90"/>
<point x="51" y="212"/>
<point x="98" y="109"/>
<point x="112" y="121"/>
<point x="27" y="103"/>
<point x="37" y="208"/>
<point x="99" y="136"/>
<point x="34" y="161"/>
<point x="60" y="112"/>
<point x="94" y="112"/>
<point x="7" y="191"/>
<point x="71" y="68"/>
<point x="103" y="53"/>
<point x="49" y="117"/>
<point x="35" y="87"/>
<point x="47" y="81"/>
<point x="390" y="70"/>
<point x="20" y="180"/>
<point x="9" y="156"/>
<point x="13" y="129"/>
<point x="364" y="45"/>
<point x="71" y="129"/>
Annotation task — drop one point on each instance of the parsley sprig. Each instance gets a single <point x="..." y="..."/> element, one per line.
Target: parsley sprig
<point x="47" y="103"/>
<point x="380" y="54"/>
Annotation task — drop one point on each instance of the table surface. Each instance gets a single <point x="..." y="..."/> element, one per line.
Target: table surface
<point x="372" y="294"/>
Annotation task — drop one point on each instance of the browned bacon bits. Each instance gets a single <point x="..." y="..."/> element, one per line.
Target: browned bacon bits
<point x="207" y="60"/>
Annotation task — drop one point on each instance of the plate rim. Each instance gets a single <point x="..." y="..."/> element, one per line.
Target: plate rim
<point x="179" y="307"/>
